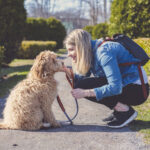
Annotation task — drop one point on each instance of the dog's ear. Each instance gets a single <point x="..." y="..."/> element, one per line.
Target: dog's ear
<point x="38" y="69"/>
<point x="53" y="55"/>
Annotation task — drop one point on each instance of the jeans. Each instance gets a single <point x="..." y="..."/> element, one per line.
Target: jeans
<point x="131" y="95"/>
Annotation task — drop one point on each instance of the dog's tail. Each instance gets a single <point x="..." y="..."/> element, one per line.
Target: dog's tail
<point x="4" y="126"/>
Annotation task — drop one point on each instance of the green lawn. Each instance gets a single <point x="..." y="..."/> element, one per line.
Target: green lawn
<point x="142" y="122"/>
<point x="18" y="69"/>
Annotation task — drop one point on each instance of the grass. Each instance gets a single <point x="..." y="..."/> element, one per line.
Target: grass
<point x="142" y="122"/>
<point x="145" y="44"/>
<point x="17" y="71"/>
<point x="61" y="51"/>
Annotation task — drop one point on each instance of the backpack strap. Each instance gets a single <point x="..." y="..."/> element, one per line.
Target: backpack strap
<point x="140" y="74"/>
<point x="142" y="81"/>
<point x="131" y="63"/>
<point x="107" y="39"/>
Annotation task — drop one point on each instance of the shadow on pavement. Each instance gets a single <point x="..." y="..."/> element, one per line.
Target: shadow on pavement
<point x="85" y="128"/>
<point x="138" y="125"/>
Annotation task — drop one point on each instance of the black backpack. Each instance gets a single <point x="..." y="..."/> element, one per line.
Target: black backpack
<point x="131" y="46"/>
<point x="136" y="51"/>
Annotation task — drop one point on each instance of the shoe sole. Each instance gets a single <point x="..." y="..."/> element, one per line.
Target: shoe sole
<point x="107" y="120"/>
<point x="126" y="122"/>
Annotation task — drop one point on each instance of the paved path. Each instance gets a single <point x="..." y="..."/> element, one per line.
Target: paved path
<point x="87" y="133"/>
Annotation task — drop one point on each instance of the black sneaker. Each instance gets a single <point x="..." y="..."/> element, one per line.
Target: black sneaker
<point x="123" y="118"/>
<point x="110" y="118"/>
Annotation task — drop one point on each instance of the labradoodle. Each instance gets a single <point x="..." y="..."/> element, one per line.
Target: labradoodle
<point x="29" y="105"/>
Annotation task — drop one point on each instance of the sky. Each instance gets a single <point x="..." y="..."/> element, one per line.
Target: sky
<point x="62" y="4"/>
<point x="65" y="4"/>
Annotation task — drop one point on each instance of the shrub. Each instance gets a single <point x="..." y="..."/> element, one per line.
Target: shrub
<point x="2" y="49"/>
<point x="12" y="24"/>
<point x="29" y="49"/>
<point x="38" y="28"/>
<point x="88" y="29"/>
<point x="56" y="31"/>
<point x="100" y="31"/>
<point x="42" y="29"/>
<point x="145" y="44"/>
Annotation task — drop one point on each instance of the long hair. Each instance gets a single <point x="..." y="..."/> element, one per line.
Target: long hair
<point x="82" y="41"/>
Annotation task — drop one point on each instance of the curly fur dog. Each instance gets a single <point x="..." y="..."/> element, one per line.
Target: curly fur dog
<point x="29" y="104"/>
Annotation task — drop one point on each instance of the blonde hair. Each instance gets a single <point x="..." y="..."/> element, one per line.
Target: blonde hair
<point x="82" y="41"/>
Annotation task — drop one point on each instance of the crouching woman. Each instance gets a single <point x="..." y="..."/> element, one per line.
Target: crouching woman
<point x="117" y="87"/>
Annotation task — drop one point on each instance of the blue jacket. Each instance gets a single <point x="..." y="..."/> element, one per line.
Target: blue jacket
<point x="105" y="64"/>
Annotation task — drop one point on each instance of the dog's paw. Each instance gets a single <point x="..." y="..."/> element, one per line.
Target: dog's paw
<point x="56" y="125"/>
<point x="46" y="125"/>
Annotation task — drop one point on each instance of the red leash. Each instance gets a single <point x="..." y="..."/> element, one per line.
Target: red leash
<point x="71" y="82"/>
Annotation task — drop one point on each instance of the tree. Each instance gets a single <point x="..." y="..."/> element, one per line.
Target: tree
<point x="100" y="31"/>
<point x="105" y="10"/>
<point x="98" y="10"/>
<point x="139" y="18"/>
<point x="71" y="19"/>
<point x="95" y="10"/>
<point x="41" y="8"/>
<point x="130" y="17"/>
<point x="118" y="18"/>
<point x="12" y="24"/>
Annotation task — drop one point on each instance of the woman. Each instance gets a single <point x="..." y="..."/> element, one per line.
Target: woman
<point x="117" y="87"/>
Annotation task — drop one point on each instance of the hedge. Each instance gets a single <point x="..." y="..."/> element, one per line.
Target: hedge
<point x="2" y="49"/>
<point x="41" y="29"/>
<point x="29" y="49"/>
<point x="88" y="29"/>
<point x="56" y="32"/>
<point x="100" y="31"/>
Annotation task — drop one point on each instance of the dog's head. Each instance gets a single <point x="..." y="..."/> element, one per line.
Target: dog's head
<point x="45" y="65"/>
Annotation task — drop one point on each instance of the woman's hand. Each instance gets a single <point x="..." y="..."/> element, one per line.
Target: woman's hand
<point x="81" y="93"/>
<point x="78" y="93"/>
